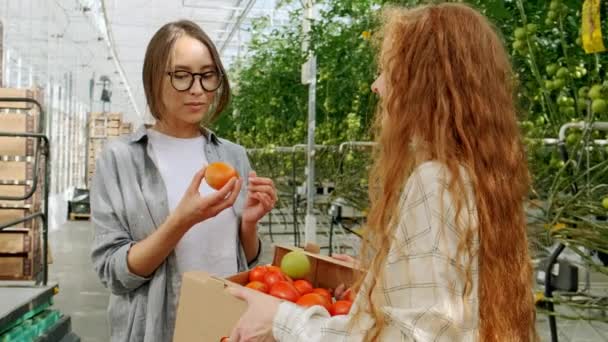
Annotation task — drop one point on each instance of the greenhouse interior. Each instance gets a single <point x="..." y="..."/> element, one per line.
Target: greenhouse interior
<point x="303" y="170"/>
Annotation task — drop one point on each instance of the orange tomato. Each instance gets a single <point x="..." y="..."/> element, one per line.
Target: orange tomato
<point x="271" y="278"/>
<point x="303" y="286"/>
<point x="218" y="174"/>
<point x="272" y="268"/>
<point x="323" y="292"/>
<point x="284" y="290"/>
<point x="341" y="307"/>
<point x="312" y="299"/>
<point x="258" y="286"/>
<point x="258" y="273"/>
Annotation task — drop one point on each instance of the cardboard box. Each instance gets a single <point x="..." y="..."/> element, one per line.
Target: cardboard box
<point x="199" y="317"/>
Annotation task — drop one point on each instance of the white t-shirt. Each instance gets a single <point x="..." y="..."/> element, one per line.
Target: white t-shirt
<point x="210" y="245"/>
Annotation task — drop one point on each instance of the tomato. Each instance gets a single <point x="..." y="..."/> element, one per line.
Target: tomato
<point x="273" y="268"/>
<point x="258" y="273"/>
<point x="303" y="286"/>
<point x="605" y="202"/>
<point x="313" y="299"/>
<point x="218" y="174"/>
<point x="258" y="286"/>
<point x="323" y="292"/>
<point x="272" y="278"/>
<point x="225" y="339"/>
<point x="341" y="307"/>
<point x="284" y="290"/>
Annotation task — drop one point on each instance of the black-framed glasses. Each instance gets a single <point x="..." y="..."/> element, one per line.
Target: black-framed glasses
<point x="183" y="80"/>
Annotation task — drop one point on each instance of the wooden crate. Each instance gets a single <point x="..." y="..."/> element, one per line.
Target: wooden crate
<point x="13" y="122"/>
<point x="115" y="116"/>
<point x="14" y="92"/>
<point x="16" y="241"/>
<point x="113" y="123"/>
<point x="32" y="202"/>
<point x="20" y="267"/>
<point x="21" y="256"/>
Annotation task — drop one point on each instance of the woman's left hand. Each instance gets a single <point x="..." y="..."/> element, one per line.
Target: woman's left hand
<point x="256" y="323"/>
<point x="261" y="198"/>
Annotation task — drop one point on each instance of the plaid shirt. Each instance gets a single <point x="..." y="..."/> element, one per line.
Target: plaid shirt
<point x="421" y="293"/>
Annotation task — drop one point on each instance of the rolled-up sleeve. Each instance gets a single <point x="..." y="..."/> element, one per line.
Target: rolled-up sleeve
<point x="112" y="239"/>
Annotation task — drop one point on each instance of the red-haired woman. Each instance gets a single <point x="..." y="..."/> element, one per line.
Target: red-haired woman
<point x="447" y="231"/>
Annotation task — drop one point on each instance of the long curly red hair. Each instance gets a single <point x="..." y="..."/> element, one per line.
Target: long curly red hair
<point x="450" y="92"/>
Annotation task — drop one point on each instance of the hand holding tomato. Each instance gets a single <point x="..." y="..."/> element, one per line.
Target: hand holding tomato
<point x="194" y="208"/>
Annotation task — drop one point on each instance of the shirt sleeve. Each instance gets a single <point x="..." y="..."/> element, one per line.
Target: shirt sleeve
<point x="112" y="240"/>
<point x="422" y="289"/>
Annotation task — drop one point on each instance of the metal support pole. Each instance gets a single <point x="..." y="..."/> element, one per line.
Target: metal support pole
<point x="310" y="230"/>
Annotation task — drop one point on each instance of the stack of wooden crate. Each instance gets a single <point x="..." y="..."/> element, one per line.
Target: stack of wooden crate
<point x="20" y="245"/>
<point x="103" y="126"/>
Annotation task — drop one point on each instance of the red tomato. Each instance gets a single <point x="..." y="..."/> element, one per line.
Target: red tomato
<point x="258" y="273"/>
<point x="271" y="278"/>
<point x="313" y="299"/>
<point x="288" y="278"/>
<point x="258" y="286"/>
<point x="341" y="307"/>
<point x="323" y="292"/>
<point x="273" y="268"/>
<point x="284" y="290"/>
<point x="303" y="286"/>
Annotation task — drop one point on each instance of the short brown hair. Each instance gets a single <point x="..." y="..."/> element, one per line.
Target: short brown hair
<point x="157" y="57"/>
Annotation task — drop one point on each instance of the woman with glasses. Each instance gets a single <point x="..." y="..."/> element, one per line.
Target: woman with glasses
<point x="155" y="217"/>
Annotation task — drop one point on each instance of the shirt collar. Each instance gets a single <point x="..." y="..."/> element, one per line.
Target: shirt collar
<point x="142" y="133"/>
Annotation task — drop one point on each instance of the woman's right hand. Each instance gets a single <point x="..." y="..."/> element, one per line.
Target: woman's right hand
<point x="194" y="208"/>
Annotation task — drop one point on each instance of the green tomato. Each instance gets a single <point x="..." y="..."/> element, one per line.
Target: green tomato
<point x="540" y="121"/>
<point x="549" y="85"/>
<point x="562" y="73"/>
<point x="519" y="45"/>
<point x="583" y="91"/>
<point x="520" y="33"/>
<point x="549" y="22"/>
<point x="552" y="15"/>
<point x="559" y="83"/>
<point x="569" y="102"/>
<point x="599" y="106"/>
<point x="579" y="41"/>
<point x="526" y="126"/>
<point x="562" y="101"/>
<point x="595" y="92"/>
<point x="570" y="111"/>
<point x="572" y="138"/>
<point x="605" y="202"/>
<point x="551" y="69"/>
<point x="554" y="5"/>
<point x="531" y="28"/>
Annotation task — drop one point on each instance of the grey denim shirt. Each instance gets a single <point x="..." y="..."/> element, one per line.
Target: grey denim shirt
<point x="128" y="202"/>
